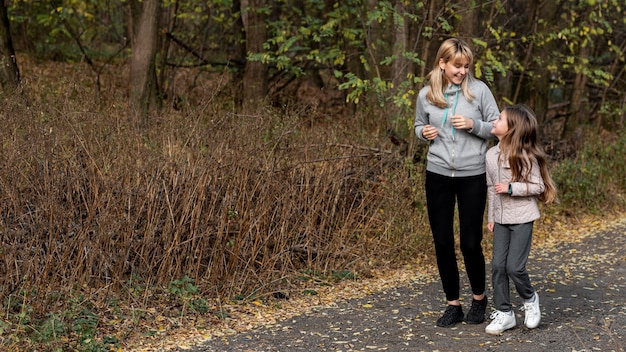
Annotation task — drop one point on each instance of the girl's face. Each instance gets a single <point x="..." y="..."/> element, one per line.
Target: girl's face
<point x="500" y="126"/>
<point x="455" y="71"/>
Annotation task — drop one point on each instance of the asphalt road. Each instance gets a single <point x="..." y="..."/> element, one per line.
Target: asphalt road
<point x="582" y="289"/>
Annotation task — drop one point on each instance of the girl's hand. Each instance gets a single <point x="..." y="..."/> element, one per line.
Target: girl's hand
<point x="502" y="187"/>
<point x="461" y="122"/>
<point x="429" y="132"/>
<point x="490" y="226"/>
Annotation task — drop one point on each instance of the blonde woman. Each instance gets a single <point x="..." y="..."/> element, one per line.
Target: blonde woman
<point x="454" y="112"/>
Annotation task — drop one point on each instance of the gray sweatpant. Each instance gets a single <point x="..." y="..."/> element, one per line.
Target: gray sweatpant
<point x="511" y="246"/>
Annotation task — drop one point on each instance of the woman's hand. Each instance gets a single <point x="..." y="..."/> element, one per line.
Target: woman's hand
<point x="490" y="226"/>
<point x="429" y="132"/>
<point x="461" y="122"/>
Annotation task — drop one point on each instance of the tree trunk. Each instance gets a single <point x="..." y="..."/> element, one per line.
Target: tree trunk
<point x="401" y="66"/>
<point x="577" y="102"/>
<point x="537" y="88"/>
<point x="617" y="71"/>
<point x="431" y="45"/>
<point x="372" y="41"/>
<point x="528" y="52"/>
<point x="469" y="24"/>
<point x="255" y="73"/>
<point x="239" y="53"/>
<point x="9" y="72"/>
<point x="143" y="80"/>
<point x="427" y="46"/>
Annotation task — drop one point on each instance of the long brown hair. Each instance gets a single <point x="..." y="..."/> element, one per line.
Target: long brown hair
<point x="453" y="49"/>
<point x="521" y="146"/>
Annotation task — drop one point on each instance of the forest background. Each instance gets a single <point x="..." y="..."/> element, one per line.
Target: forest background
<point x="163" y="158"/>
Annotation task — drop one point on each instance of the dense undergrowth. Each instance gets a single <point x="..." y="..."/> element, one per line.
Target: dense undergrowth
<point x="102" y="222"/>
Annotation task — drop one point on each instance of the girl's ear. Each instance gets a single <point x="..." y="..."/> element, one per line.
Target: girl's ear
<point x="442" y="64"/>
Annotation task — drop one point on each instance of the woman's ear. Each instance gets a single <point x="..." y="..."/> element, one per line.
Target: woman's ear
<point x="442" y="64"/>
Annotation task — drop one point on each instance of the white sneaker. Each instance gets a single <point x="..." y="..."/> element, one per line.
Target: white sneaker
<point x="501" y="321"/>
<point x="533" y="314"/>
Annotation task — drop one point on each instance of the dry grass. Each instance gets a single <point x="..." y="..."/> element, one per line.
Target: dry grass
<point x="95" y="209"/>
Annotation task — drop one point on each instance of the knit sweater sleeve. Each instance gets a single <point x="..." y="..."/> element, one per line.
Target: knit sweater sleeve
<point x="489" y="109"/>
<point x="421" y="116"/>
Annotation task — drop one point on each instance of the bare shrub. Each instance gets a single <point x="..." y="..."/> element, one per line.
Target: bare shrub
<point x="241" y="204"/>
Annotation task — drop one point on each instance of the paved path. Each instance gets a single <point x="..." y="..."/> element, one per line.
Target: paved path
<point x="582" y="287"/>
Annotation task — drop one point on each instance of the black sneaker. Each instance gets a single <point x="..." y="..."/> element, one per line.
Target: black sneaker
<point x="452" y="315"/>
<point x="476" y="314"/>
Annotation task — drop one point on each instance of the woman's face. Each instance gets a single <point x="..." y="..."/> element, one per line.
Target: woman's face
<point x="455" y="71"/>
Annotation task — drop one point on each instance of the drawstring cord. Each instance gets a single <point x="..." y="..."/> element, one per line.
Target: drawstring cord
<point x="445" y="114"/>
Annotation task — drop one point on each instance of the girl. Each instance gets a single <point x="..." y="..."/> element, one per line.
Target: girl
<point x="454" y="113"/>
<point x="517" y="175"/>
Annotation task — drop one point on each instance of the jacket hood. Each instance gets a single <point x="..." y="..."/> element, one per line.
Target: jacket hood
<point x="452" y="88"/>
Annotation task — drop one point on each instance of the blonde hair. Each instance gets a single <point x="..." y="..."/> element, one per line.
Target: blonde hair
<point x="453" y="49"/>
<point x="521" y="146"/>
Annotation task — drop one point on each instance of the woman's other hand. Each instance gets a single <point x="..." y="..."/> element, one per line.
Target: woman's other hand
<point x="429" y="132"/>
<point x="461" y="122"/>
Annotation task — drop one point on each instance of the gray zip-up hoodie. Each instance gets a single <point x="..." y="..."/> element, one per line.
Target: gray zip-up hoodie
<point x="458" y="152"/>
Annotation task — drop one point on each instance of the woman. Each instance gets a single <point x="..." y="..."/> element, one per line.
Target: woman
<point x="454" y="112"/>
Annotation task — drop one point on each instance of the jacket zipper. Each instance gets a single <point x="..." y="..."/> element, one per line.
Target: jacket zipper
<point x="455" y="101"/>
<point x="453" y="155"/>
<point x="500" y="195"/>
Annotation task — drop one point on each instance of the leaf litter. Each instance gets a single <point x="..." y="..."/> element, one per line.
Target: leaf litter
<point x="185" y="332"/>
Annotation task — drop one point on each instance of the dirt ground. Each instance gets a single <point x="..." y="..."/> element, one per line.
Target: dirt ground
<point x="582" y="290"/>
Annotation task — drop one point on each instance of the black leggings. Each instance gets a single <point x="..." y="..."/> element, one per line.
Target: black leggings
<point x="442" y="192"/>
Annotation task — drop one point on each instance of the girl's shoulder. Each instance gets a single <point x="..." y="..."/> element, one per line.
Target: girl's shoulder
<point x="493" y="150"/>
